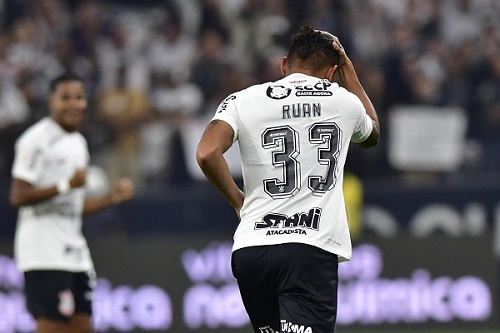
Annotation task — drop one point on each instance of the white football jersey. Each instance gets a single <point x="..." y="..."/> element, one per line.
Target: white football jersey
<point x="293" y="136"/>
<point x="48" y="234"/>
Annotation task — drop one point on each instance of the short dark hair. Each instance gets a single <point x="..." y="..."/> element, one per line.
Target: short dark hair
<point x="313" y="49"/>
<point x="66" y="76"/>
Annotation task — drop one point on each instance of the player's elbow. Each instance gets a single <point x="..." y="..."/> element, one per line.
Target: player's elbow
<point x="15" y="200"/>
<point x="372" y="140"/>
<point x="368" y="143"/>
<point x="205" y="156"/>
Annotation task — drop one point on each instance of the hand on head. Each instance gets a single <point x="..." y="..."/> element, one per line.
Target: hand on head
<point x="337" y="46"/>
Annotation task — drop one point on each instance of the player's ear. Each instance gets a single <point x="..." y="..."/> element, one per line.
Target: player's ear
<point x="284" y="62"/>
<point x="331" y="73"/>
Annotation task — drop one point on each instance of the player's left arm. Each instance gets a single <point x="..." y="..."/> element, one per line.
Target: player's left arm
<point x="216" y="140"/>
<point x="122" y="191"/>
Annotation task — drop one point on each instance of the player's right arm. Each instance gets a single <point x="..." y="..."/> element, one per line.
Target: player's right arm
<point x="349" y="80"/>
<point x="27" y="168"/>
<point x="23" y="193"/>
<point x="216" y="140"/>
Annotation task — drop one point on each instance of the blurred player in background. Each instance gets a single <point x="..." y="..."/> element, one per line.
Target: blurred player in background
<point x="293" y="136"/>
<point x="48" y="186"/>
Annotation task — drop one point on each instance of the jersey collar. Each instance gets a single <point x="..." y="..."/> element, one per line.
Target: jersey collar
<point x="55" y="126"/>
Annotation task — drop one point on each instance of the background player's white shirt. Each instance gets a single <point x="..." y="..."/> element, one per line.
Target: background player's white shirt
<point x="48" y="234"/>
<point x="293" y="136"/>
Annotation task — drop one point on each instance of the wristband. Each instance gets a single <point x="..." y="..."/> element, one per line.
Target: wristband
<point x="63" y="187"/>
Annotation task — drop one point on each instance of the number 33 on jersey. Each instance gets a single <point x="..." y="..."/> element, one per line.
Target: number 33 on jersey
<point x="293" y="146"/>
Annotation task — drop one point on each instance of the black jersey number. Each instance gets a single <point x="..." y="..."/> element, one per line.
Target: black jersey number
<point x="285" y="145"/>
<point x="284" y="141"/>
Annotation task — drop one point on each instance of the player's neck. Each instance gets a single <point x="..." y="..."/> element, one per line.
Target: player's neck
<point x="306" y="72"/>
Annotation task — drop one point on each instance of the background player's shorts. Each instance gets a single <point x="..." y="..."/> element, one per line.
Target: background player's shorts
<point x="288" y="287"/>
<point x="57" y="295"/>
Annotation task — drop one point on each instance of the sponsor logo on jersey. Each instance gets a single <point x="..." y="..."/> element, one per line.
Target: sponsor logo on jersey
<point x="286" y="232"/>
<point x="64" y="206"/>
<point x="289" y="327"/>
<point x="278" y="92"/>
<point x="298" y="223"/>
<point x="224" y="103"/>
<point x="320" y="88"/>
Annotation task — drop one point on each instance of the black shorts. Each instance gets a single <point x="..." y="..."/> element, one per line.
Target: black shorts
<point x="288" y="287"/>
<point x="57" y="295"/>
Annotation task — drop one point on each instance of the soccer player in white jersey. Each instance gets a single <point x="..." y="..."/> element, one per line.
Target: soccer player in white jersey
<point x="293" y="136"/>
<point x="48" y="187"/>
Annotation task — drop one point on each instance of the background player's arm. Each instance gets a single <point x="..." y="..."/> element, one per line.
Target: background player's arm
<point x="216" y="140"/>
<point x="22" y="193"/>
<point x="122" y="191"/>
<point x="349" y="80"/>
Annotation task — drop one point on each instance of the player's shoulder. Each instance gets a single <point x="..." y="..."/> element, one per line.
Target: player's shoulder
<point x="347" y="97"/>
<point x="242" y="95"/>
<point x="36" y="133"/>
<point x="252" y="91"/>
<point x="345" y="93"/>
<point x="273" y="90"/>
<point x="43" y="133"/>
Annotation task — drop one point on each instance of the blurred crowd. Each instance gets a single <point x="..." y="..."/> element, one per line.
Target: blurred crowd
<point x="151" y="67"/>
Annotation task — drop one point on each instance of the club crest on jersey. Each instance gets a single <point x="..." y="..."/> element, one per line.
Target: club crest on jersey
<point x="278" y="92"/>
<point x="297" y="223"/>
<point x="66" y="303"/>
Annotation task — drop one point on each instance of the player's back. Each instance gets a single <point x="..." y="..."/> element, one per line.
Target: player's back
<point x="293" y="136"/>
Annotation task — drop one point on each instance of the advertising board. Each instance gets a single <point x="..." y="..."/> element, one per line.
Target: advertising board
<point x="184" y="284"/>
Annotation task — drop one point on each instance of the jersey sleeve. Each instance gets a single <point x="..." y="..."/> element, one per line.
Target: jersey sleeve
<point x="363" y="128"/>
<point x="28" y="160"/>
<point x="227" y="111"/>
<point x="86" y="161"/>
